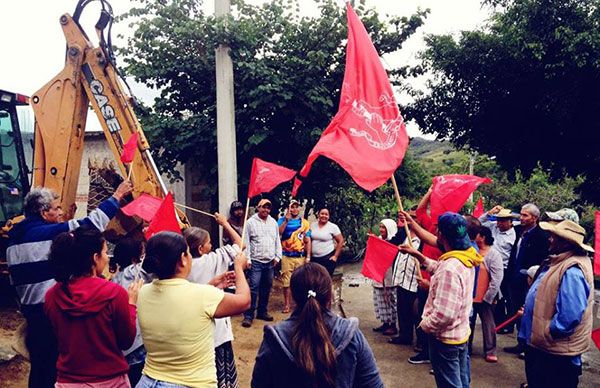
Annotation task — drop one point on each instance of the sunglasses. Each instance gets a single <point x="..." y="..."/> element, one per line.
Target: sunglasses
<point x="266" y="206"/>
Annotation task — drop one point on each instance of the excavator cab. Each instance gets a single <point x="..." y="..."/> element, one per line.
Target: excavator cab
<point x="14" y="169"/>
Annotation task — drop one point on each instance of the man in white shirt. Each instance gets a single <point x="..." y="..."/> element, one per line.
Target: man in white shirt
<point x="504" y="239"/>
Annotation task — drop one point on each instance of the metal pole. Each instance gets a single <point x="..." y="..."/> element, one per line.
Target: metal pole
<point x="226" y="143"/>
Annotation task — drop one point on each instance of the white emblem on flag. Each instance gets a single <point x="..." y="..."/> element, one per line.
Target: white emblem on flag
<point x="379" y="133"/>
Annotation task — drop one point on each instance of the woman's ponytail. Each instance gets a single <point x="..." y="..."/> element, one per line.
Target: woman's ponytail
<point x="311" y="290"/>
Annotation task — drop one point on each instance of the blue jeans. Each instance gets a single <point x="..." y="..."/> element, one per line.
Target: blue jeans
<point x="149" y="382"/>
<point x="450" y="363"/>
<point x="260" y="280"/>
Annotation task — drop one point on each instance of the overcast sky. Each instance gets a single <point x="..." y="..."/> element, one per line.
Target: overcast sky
<point x="33" y="45"/>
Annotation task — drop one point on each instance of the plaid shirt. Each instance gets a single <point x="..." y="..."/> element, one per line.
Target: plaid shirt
<point x="262" y="239"/>
<point x="447" y="310"/>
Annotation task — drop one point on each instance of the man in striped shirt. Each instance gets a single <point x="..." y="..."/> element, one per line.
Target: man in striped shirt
<point x="446" y="314"/>
<point x="264" y="252"/>
<point x="31" y="273"/>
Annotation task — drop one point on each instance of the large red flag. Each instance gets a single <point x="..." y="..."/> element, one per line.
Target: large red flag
<point x="145" y="206"/>
<point x="379" y="256"/>
<point x="478" y="211"/>
<point x="450" y="192"/>
<point x="367" y="136"/>
<point x="266" y="176"/>
<point x="129" y="148"/>
<point x="164" y="219"/>
<point x="597" y="245"/>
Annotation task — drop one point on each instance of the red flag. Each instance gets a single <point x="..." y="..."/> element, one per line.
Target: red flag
<point x="145" y="206"/>
<point x="478" y="211"/>
<point x="129" y="148"/>
<point x="379" y="256"/>
<point x="450" y="192"/>
<point x="164" y="219"/>
<point x="596" y="337"/>
<point x="597" y="247"/>
<point x="296" y="186"/>
<point x="266" y="176"/>
<point x="367" y="136"/>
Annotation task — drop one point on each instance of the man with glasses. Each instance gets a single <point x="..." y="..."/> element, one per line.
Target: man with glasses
<point x="264" y="252"/>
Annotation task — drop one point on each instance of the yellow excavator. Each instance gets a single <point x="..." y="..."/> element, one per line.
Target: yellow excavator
<point x="90" y="78"/>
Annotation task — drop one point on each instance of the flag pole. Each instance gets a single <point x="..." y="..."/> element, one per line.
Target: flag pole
<point x="130" y="170"/>
<point x="406" y="229"/>
<point x="194" y="209"/>
<point x="245" y="219"/>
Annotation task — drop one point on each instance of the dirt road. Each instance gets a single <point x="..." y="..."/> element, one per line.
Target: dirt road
<point x="391" y="359"/>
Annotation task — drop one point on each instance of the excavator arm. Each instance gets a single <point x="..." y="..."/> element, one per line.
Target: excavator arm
<point x="90" y="76"/>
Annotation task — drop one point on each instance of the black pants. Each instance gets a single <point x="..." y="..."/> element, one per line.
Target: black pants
<point x="422" y="338"/>
<point x="548" y="370"/>
<point x="503" y="305"/>
<point x="325" y="262"/>
<point x="405" y="302"/>
<point x="43" y="349"/>
<point x="518" y="292"/>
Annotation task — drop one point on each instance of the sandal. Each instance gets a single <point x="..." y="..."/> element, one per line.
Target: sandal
<point x="491" y="358"/>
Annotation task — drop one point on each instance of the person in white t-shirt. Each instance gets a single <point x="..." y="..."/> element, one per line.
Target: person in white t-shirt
<point x="326" y="240"/>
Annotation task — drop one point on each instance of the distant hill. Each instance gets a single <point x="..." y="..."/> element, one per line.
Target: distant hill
<point x="437" y="157"/>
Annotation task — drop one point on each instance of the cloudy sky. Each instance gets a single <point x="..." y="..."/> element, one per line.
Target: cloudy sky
<point x="33" y="44"/>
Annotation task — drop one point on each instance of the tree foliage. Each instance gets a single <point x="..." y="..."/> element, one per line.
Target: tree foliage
<point x="524" y="88"/>
<point x="288" y="70"/>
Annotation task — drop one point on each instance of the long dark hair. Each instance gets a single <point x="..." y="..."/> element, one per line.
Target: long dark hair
<point x="163" y="252"/>
<point x="127" y="251"/>
<point x="311" y="342"/>
<point x="72" y="253"/>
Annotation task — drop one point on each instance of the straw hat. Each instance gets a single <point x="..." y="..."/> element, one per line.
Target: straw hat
<point x="505" y="213"/>
<point x="568" y="230"/>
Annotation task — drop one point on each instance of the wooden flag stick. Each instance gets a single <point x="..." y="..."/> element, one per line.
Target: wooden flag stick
<point x="195" y="210"/>
<point x="130" y="170"/>
<point x="245" y="219"/>
<point x="406" y="229"/>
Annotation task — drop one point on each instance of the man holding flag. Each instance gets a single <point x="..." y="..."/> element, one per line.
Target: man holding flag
<point x="448" y="307"/>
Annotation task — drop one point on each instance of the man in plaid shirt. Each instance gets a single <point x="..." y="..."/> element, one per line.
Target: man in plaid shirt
<point x="446" y="314"/>
<point x="264" y="251"/>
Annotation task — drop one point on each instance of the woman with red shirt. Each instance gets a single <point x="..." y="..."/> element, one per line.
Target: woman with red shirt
<point x="93" y="319"/>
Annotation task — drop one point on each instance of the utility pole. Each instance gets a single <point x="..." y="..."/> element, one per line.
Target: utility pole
<point x="226" y="143"/>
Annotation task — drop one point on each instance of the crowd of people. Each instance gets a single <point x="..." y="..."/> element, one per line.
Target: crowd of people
<point x="163" y="317"/>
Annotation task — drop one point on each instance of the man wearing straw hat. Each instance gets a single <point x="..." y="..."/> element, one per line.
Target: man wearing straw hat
<point x="504" y="239"/>
<point x="557" y="319"/>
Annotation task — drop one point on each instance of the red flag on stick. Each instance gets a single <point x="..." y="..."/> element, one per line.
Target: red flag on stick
<point x="367" y="136"/>
<point x="164" y="219"/>
<point x="266" y="176"/>
<point x="145" y="206"/>
<point x="379" y="256"/>
<point x="296" y="186"/>
<point x="597" y="247"/>
<point x="129" y="148"/>
<point x="478" y="211"/>
<point x="450" y="192"/>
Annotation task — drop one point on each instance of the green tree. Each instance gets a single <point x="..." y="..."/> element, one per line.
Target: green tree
<point x="288" y="70"/>
<point x="523" y="88"/>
